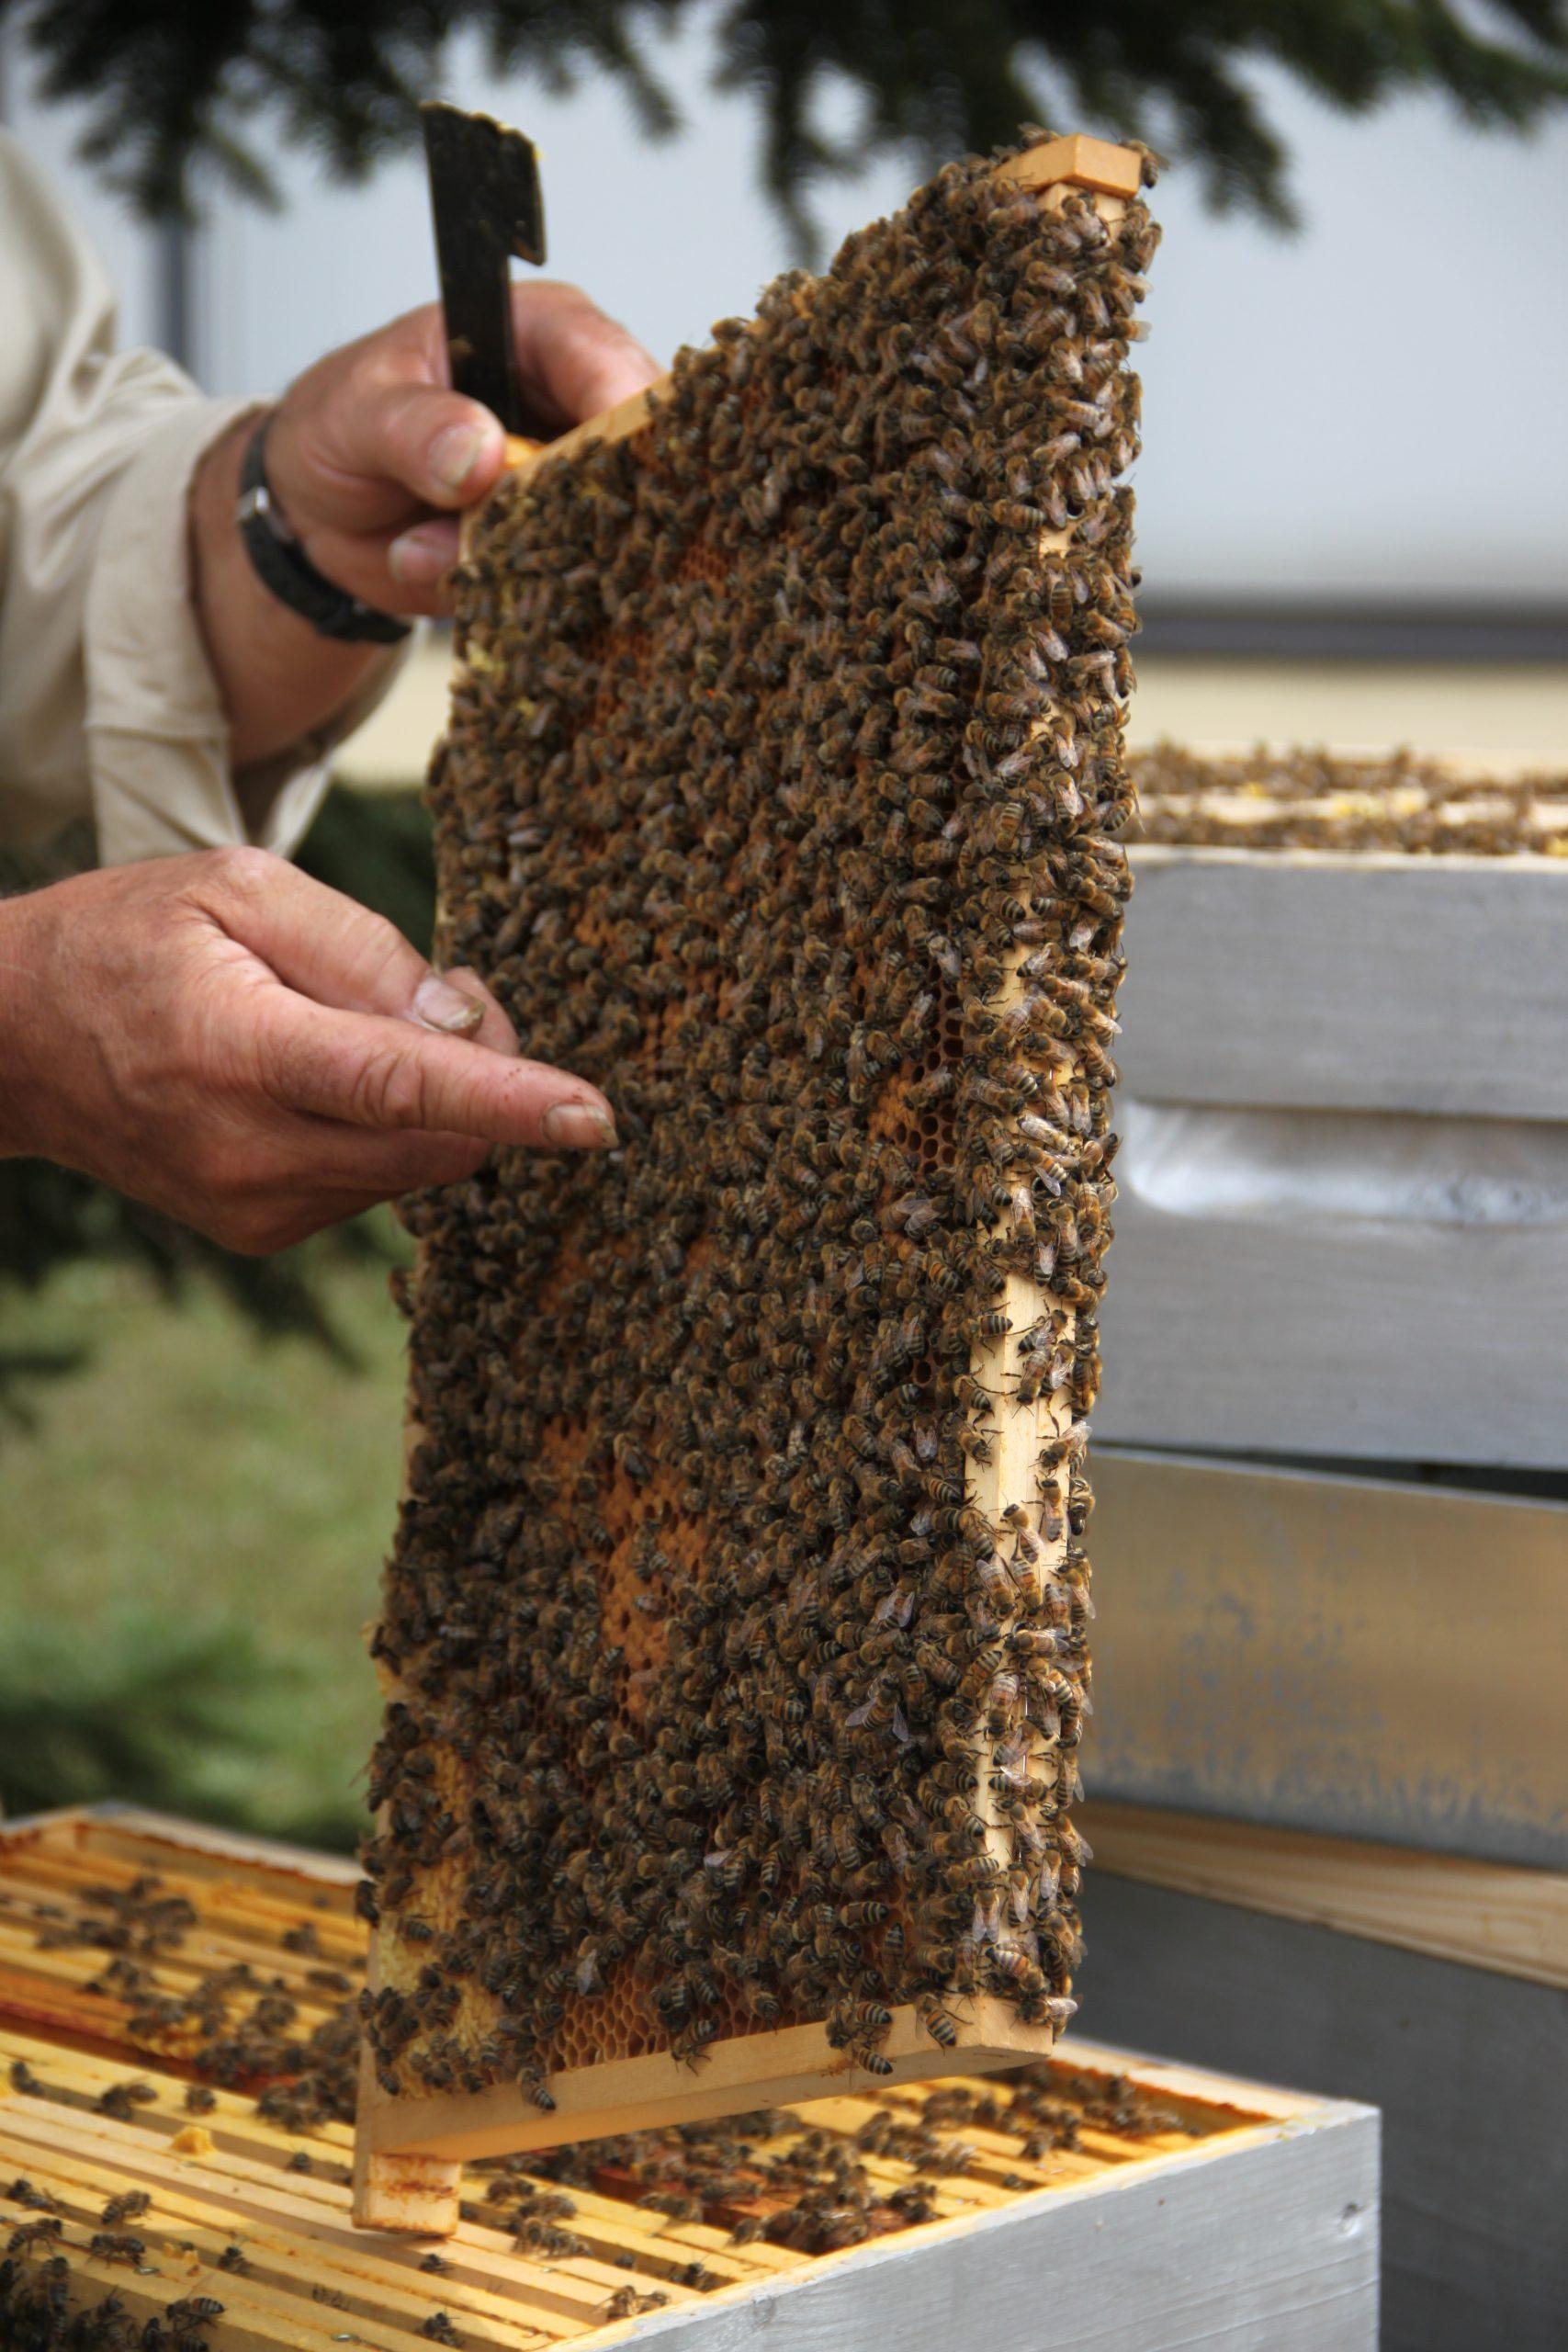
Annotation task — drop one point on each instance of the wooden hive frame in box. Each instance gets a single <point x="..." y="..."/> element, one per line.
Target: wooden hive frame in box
<point x="148" y="2199"/>
<point x="411" y="2143"/>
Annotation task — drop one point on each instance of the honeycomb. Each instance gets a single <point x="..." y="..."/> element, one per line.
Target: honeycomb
<point x="735" y="1632"/>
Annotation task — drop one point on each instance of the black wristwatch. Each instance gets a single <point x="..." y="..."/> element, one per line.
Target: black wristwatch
<point x="282" y="565"/>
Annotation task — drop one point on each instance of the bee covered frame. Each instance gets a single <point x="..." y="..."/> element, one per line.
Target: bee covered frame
<point x="427" y="2135"/>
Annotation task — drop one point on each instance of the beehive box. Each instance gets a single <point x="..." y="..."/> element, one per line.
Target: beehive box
<point x="1279" y="1647"/>
<point x="1340" y="1240"/>
<point x="1328" y="1840"/>
<point x="735" y="1636"/>
<point x="1375" y="1974"/>
<point x="154" y="2099"/>
<point x="1342" y="1224"/>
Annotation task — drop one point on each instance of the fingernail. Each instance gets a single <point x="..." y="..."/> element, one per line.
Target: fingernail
<point x="453" y="454"/>
<point x="440" y="1006"/>
<point x="583" y="1125"/>
<point x="421" y="555"/>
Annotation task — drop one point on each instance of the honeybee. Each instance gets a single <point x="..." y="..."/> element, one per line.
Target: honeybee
<point x="116" y="2245"/>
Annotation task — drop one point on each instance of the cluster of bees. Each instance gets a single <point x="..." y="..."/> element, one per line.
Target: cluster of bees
<point x="764" y="2175"/>
<point x="235" y="2025"/>
<point x="40" y="2310"/>
<point x="39" y="2313"/>
<point x="1323" y="800"/>
<point x="731" y="1685"/>
<point x="135" y="1922"/>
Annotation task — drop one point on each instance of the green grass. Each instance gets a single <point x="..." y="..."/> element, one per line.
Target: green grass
<point x="197" y="1502"/>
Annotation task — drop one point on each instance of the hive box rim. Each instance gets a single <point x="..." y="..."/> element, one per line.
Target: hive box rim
<point x="1178" y="2173"/>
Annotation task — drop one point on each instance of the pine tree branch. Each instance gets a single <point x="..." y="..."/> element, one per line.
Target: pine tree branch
<point x="180" y="87"/>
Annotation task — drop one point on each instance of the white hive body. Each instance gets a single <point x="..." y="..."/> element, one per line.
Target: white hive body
<point x="1343" y="1224"/>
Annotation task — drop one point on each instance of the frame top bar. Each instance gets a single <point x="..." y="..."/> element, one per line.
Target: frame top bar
<point x="1075" y="162"/>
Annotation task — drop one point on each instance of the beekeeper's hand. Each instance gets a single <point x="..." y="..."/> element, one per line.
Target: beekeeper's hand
<point x="240" y="1046"/>
<point x="368" y="456"/>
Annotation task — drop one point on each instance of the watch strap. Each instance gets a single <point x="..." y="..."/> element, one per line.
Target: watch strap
<point x="281" y="564"/>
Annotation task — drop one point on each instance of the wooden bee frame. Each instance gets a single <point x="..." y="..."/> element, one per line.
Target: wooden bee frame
<point x="410" y="2148"/>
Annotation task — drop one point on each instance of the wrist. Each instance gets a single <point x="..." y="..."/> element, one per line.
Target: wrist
<point x="25" y="954"/>
<point x="279" y="679"/>
<point x="280" y="562"/>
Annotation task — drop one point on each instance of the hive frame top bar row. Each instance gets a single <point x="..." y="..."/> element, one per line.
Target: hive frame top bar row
<point x="1092" y="164"/>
